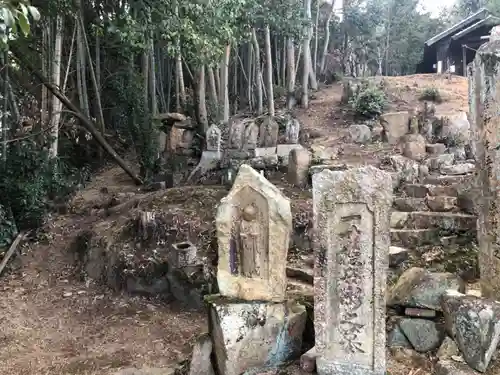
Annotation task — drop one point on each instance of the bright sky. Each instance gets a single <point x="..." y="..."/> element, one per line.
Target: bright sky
<point x="433" y="6"/>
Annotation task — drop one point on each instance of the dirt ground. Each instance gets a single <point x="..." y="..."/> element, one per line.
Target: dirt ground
<point x="53" y="323"/>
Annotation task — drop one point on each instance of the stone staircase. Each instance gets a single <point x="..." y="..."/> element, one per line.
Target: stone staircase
<point x="430" y="214"/>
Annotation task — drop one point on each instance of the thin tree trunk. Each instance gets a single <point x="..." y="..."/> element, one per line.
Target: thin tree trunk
<point x="213" y="89"/>
<point x="87" y="124"/>
<point x="297" y="60"/>
<point x="258" y="75"/>
<point x="224" y="84"/>
<point x="70" y="58"/>
<point x="5" y="105"/>
<point x="277" y="57"/>
<point x="312" y="74"/>
<point x="290" y="54"/>
<point x="45" y="57"/>
<point x="250" y="76"/>
<point x="84" y="100"/>
<point x="327" y="39"/>
<point x="283" y="64"/>
<point x="307" y="56"/>
<point x="152" y="79"/>
<point x="202" y="105"/>
<point x="269" y="71"/>
<point x="235" y="81"/>
<point x="316" y="36"/>
<point x="56" y="80"/>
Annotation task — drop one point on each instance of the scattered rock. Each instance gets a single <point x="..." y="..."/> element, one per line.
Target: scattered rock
<point x="435" y="149"/>
<point x="447" y="349"/>
<point x="447" y="367"/>
<point x="422" y="334"/>
<point x="360" y="134"/>
<point x="418" y="287"/>
<point x="200" y="360"/>
<point x="308" y="361"/>
<point x="458" y="152"/>
<point x="397" y="339"/>
<point x="397" y="255"/>
<point x="420" y="313"/>
<point x="441" y="203"/>
<point x="475" y="324"/>
<point x="414" y="147"/>
<point x="377" y="133"/>
<point x="408" y="169"/>
<point x="455" y="129"/>
<point x="409" y="204"/>
<point x="458" y="169"/>
<point x="395" y="124"/>
<point x="435" y="163"/>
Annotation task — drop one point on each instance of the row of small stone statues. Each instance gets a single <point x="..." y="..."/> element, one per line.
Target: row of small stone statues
<point x="245" y="134"/>
<point x="254" y="225"/>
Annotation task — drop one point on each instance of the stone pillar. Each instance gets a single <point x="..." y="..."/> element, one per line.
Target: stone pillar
<point x="252" y="324"/>
<point x="351" y="216"/>
<point x="298" y="167"/>
<point x="485" y="110"/>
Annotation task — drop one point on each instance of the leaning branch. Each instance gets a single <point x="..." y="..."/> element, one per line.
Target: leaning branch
<point x="87" y="124"/>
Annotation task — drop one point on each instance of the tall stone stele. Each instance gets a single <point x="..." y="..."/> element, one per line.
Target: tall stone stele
<point x="254" y="223"/>
<point x="351" y="216"/>
<point x="484" y="91"/>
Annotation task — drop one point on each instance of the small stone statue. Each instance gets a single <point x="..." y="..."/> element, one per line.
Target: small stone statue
<point x="249" y="238"/>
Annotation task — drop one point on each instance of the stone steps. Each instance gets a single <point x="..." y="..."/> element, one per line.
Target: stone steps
<point x="449" y="180"/>
<point x="412" y="238"/>
<point x="424" y="190"/>
<point x="445" y="221"/>
<point x="440" y="203"/>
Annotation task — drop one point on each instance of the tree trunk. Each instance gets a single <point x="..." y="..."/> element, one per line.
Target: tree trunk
<point x="56" y="80"/>
<point x="327" y="39"/>
<point x="269" y="72"/>
<point x="312" y="75"/>
<point x="316" y="36"/>
<point x="45" y="71"/>
<point x="290" y="54"/>
<point x="213" y="89"/>
<point x="202" y="106"/>
<point x="250" y="76"/>
<point x="224" y="95"/>
<point x="307" y="56"/>
<point x="86" y="123"/>
<point x="5" y="105"/>
<point x="258" y="75"/>
<point x="235" y="81"/>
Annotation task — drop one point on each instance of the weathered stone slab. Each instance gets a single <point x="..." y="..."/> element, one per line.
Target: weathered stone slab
<point x="214" y="135"/>
<point x="200" y="359"/>
<point x="298" y="167"/>
<point x="283" y="152"/>
<point x="395" y="124"/>
<point x="475" y="324"/>
<point x="254" y="223"/>
<point x="268" y="133"/>
<point x="265" y="151"/>
<point x="249" y="335"/>
<point x="292" y="131"/>
<point x="236" y="134"/>
<point x="351" y="212"/>
<point x="484" y="87"/>
<point x="251" y="137"/>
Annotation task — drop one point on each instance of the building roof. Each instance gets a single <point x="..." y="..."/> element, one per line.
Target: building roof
<point x="480" y="15"/>
<point x="488" y="21"/>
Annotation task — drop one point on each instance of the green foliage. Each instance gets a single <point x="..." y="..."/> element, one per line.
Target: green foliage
<point x="431" y="94"/>
<point x="15" y="16"/>
<point x="368" y="101"/>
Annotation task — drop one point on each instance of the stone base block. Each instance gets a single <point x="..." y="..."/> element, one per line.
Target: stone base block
<point x="252" y="335"/>
<point x="326" y="367"/>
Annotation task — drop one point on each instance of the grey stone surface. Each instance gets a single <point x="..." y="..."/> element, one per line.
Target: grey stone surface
<point x="420" y="313"/>
<point x="414" y="147"/>
<point x="360" y="134"/>
<point x="308" y="360"/>
<point x="437" y="162"/>
<point x="397" y="255"/>
<point x="200" y="359"/>
<point x="254" y="223"/>
<point x="236" y="134"/>
<point x="292" y="131"/>
<point x="254" y="334"/>
<point x="449" y="367"/>
<point x="214" y="135"/>
<point x="456" y="129"/>
<point x="265" y="151"/>
<point x="435" y="149"/>
<point x="251" y="137"/>
<point x="298" y="167"/>
<point x="351" y="212"/>
<point x="484" y="107"/>
<point x="422" y="334"/>
<point x="283" y="152"/>
<point x="408" y="169"/>
<point x="395" y="124"/>
<point x="457" y="169"/>
<point x="268" y="132"/>
<point x="475" y="324"/>
<point x="397" y="339"/>
<point x="418" y="287"/>
<point x="447" y="349"/>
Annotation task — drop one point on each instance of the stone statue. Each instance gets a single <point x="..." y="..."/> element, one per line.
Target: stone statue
<point x="249" y="252"/>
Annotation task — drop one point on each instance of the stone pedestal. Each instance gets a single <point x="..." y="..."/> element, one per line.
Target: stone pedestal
<point x="254" y="335"/>
<point x="351" y="215"/>
<point x="484" y="89"/>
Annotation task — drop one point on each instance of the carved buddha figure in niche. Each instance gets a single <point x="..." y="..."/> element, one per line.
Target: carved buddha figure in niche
<point x="248" y="242"/>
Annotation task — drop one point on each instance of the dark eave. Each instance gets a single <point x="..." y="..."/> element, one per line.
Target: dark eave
<point x="488" y="21"/>
<point x="479" y="15"/>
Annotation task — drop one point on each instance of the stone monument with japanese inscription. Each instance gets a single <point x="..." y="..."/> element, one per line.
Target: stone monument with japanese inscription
<point x="484" y="103"/>
<point x="254" y="224"/>
<point x="351" y="216"/>
<point x="253" y="326"/>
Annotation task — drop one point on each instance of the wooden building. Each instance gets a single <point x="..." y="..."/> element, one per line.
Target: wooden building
<point x="454" y="48"/>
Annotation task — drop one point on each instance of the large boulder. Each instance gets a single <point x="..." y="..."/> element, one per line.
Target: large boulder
<point x="414" y="147"/>
<point x="455" y="129"/>
<point x="422" y="334"/>
<point x="418" y="287"/>
<point x="360" y="134"/>
<point x="475" y="324"/>
<point x="395" y="124"/>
